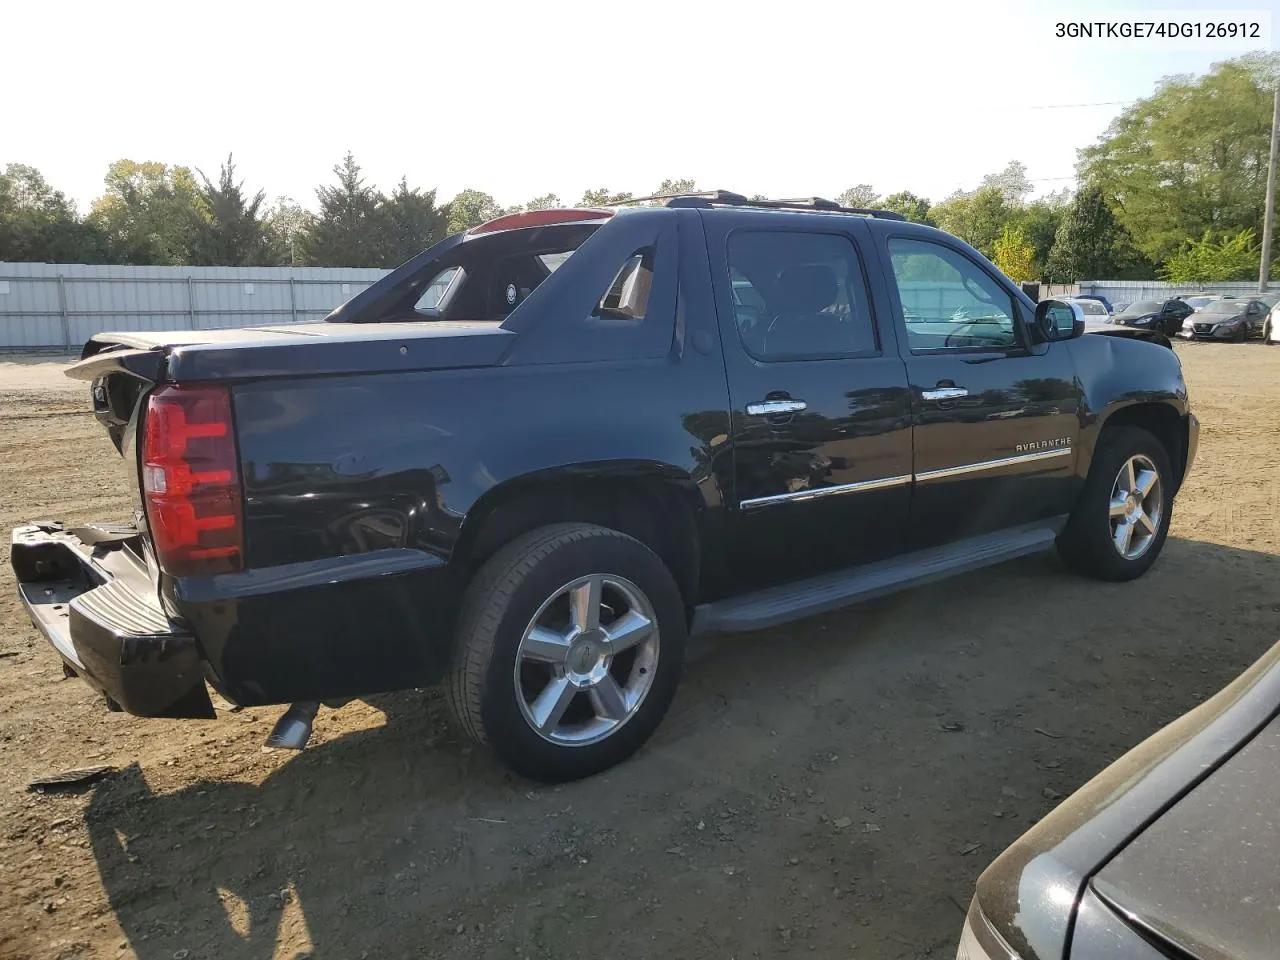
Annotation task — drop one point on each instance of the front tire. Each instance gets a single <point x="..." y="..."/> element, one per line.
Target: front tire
<point x="569" y="648"/>
<point x="1121" y="520"/>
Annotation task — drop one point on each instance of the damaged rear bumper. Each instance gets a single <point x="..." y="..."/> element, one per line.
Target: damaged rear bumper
<point x="97" y="605"/>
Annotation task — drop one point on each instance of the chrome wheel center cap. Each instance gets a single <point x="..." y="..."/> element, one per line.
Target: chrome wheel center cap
<point x="588" y="659"/>
<point x="585" y="656"/>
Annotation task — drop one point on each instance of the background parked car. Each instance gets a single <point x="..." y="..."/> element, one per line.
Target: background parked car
<point x="1094" y="308"/>
<point x="1195" y="303"/>
<point x="1271" y="325"/>
<point x="1168" y="315"/>
<point x="1228" y="318"/>
<point x="1094" y="296"/>
<point x="1168" y="852"/>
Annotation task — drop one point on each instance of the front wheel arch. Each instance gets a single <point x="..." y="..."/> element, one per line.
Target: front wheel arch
<point x="1163" y="421"/>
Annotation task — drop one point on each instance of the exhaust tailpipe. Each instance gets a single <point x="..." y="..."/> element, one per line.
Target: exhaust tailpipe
<point x="293" y="729"/>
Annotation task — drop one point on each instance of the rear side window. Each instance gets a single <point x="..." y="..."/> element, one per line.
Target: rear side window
<point x="799" y="296"/>
<point x="628" y="295"/>
<point x="614" y="299"/>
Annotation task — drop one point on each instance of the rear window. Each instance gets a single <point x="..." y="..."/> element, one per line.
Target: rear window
<point x="1092" y="308"/>
<point x="481" y="277"/>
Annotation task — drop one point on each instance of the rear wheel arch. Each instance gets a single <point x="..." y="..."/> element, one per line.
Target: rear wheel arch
<point x="658" y="508"/>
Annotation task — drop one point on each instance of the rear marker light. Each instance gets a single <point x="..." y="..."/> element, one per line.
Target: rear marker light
<point x="191" y="481"/>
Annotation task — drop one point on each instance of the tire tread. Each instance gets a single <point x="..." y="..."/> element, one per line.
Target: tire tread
<point x="484" y="605"/>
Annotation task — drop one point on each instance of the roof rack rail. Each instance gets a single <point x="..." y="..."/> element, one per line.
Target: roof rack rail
<point x="671" y="196"/>
<point x="726" y="198"/>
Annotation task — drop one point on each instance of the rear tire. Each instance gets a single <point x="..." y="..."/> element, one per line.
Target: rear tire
<point x="559" y="692"/>
<point x="1119" y="493"/>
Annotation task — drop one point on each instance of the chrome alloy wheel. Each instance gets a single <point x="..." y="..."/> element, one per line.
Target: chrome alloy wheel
<point x="1137" y="507"/>
<point x="586" y="660"/>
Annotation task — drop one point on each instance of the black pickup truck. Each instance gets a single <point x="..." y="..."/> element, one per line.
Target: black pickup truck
<point x="534" y="459"/>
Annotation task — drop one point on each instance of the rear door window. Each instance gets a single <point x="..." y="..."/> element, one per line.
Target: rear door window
<point x="799" y="295"/>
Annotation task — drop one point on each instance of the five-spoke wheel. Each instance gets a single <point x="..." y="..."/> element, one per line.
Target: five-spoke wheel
<point x="1137" y="505"/>
<point x="570" y="643"/>
<point x="1121" y="519"/>
<point x="587" y="659"/>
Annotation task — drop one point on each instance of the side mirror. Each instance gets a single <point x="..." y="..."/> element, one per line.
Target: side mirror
<point x="1059" y="320"/>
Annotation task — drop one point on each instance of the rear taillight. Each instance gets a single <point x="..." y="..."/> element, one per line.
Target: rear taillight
<point x="191" y="481"/>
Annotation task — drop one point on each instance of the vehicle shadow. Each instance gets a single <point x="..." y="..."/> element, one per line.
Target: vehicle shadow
<point x="230" y="869"/>
<point x="400" y="841"/>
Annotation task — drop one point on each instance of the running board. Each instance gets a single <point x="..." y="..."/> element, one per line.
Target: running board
<point x="830" y="591"/>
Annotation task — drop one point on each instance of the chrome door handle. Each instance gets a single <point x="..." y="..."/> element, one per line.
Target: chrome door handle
<point x="764" y="408"/>
<point x="945" y="393"/>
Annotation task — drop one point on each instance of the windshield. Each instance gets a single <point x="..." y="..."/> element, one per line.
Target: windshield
<point x="1226" y="307"/>
<point x="1195" y="303"/>
<point x="1142" y="306"/>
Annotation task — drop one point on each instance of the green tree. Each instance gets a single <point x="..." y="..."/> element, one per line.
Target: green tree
<point x="410" y="222"/>
<point x="977" y="218"/>
<point x="1208" y="260"/>
<point x="470" y="208"/>
<point x="1012" y="182"/>
<point x="1091" y="244"/>
<point x="860" y="195"/>
<point x="286" y="224"/>
<point x="1039" y="221"/>
<point x="345" y="232"/>
<point x="150" y="213"/>
<point x="601" y="196"/>
<point x="1191" y="157"/>
<point x="675" y="188"/>
<point x="1014" y="255"/>
<point x="915" y="209"/>
<point x="547" y="201"/>
<point x="38" y="223"/>
<point x="233" y="232"/>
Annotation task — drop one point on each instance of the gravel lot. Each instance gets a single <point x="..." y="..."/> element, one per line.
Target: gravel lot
<point x="831" y="788"/>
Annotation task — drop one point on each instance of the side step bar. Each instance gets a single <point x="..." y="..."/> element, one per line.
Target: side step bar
<point x="830" y="591"/>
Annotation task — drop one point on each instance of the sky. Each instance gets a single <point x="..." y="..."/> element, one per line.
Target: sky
<point x="519" y="99"/>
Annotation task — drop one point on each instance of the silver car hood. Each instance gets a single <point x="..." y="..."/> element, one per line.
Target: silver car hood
<point x="1205" y="876"/>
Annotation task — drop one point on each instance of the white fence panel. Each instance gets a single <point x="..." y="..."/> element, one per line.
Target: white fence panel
<point x="64" y="304"/>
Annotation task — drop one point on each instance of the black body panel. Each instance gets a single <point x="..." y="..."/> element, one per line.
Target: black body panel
<point x="828" y="486"/>
<point x="96" y="606"/>
<point x="378" y="453"/>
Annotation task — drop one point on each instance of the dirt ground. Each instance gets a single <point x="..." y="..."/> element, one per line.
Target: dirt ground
<point x="830" y="788"/>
